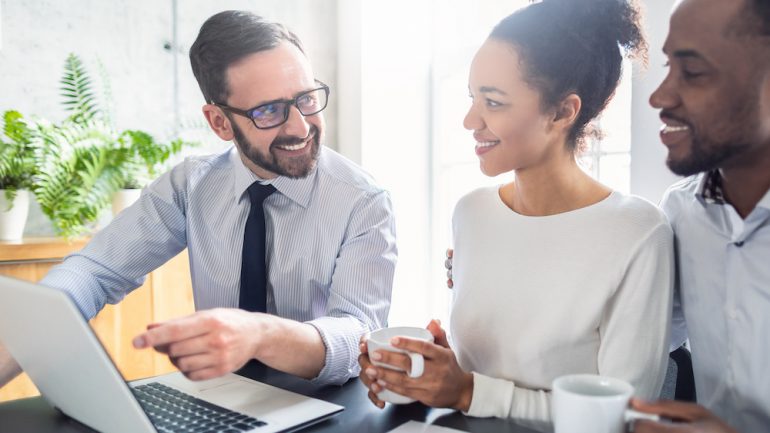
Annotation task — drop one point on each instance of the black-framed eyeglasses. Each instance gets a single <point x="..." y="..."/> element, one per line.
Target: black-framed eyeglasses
<point x="276" y="113"/>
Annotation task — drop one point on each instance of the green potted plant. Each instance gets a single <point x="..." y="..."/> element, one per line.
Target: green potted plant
<point x="144" y="159"/>
<point x="78" y="166"/>
<point x="85" y="161"/>
<point x="17" y="169"/>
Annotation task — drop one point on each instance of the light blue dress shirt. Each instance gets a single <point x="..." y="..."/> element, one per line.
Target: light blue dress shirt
<point x="724" y="293"/>
<point x="330" y="242"/>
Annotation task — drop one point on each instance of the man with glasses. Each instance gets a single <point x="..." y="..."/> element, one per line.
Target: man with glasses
<point x="291" y="246"/>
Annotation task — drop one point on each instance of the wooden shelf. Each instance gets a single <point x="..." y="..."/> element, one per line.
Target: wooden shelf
<point x="166" y="294"/>
<point x="43" y="248"/>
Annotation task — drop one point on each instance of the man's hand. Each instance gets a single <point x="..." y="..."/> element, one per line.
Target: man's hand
<point x="448" y="266"/>
<point x="687" y="417"/>
<point x="207" y="344"/>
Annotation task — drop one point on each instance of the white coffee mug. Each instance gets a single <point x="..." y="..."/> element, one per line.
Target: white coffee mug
<point x="588" y="403"/>
<point x="380" y="340"/>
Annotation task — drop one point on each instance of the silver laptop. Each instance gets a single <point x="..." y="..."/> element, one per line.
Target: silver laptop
<point x="46" y="334"/>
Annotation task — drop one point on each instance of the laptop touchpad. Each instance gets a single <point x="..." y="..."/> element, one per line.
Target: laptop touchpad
<point x="234" y="392"/>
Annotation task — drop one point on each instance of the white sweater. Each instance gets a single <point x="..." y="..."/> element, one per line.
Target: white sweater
<point x="586" y="291"/>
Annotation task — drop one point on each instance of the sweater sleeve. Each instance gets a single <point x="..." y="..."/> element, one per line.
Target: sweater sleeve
<point x="635" y="328"/>
<point x="493" y="397"/>
<point x="633" y="331"/>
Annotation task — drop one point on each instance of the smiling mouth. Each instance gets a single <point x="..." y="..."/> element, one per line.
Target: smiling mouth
<point x="297" y="146"/>
<point x="483" y="144"/>
<point x="669" y="129"/>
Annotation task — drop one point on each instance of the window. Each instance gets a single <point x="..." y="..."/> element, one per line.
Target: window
<point x="455" y="165"/>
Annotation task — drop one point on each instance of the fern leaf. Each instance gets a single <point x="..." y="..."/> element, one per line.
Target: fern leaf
<point x="76" y="90"/>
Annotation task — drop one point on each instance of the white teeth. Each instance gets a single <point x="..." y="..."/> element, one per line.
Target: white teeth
<point x="669" y="129"/>
<point x="295" y="146"/>
<point x="486" y="143"/>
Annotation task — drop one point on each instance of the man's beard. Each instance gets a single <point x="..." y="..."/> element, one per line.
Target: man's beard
<point x="713" y="149"/>
<point x="705" y="155"/>
<point x="292" y="167"/>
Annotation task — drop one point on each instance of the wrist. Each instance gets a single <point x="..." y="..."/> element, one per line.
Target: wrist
<point x="466" y="393"/>
<point x="260" y="335"/>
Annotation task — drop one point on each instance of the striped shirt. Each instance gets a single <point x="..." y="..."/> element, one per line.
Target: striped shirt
<point x="330" y="244"/>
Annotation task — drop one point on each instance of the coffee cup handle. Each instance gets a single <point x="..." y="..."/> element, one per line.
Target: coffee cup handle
<point x="418" y="365"/>
<point x="633" y="415"/>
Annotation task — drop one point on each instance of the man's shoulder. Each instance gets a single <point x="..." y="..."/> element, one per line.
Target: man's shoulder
<point x="687" y="186"/>
<point x="339" y="171"/>
<point x="680" y="195"/>
<point x="197" y="167"/>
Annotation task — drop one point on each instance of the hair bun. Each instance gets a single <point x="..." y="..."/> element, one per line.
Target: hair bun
<point x="619" y="19"/>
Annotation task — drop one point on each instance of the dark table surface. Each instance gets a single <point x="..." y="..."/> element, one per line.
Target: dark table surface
<point x="360" y="415"/>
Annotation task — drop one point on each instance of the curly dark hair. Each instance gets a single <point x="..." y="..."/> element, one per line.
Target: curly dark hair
<point x="574" y="46"/>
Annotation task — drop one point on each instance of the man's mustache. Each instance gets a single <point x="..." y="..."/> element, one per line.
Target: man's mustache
<point x="290" y="140"/>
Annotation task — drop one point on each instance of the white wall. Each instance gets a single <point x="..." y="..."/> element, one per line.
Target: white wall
<point x="395" y="136"/>
<point x="649" y="175"/>
<point x="128" y="38"/>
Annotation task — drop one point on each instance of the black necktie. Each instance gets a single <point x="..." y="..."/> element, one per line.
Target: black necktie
<point x="253" y="296"/>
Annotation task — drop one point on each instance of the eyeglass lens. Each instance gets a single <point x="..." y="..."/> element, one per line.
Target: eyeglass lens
<point x="275" y="113"/>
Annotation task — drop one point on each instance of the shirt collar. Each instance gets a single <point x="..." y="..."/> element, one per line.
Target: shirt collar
<point x="765" y="200"/>
<point x="710" y="188"/>
<point x="297" y="190"/>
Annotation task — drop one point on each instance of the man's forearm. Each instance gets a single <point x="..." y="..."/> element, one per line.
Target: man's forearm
<point x="9" y="368"/>
<point x="293" y="347"/>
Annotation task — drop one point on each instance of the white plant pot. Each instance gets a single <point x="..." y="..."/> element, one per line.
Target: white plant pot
<point x="123" y="199"/>
<point x="12" y="221"/>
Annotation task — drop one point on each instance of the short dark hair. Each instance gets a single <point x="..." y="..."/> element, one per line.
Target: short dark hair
<point x="224" y="39"/>
<point x="757" y="12"/>
<point x="574" y="46"/>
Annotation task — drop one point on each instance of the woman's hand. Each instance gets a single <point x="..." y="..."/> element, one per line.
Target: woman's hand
<point x="442" y="384"/>
<point x="365" y="363"/>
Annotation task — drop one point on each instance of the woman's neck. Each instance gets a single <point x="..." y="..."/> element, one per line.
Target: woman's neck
<point x="556" y="186"/>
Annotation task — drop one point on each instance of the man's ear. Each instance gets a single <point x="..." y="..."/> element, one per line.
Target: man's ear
<point x="218" y="122"/>
<point x="567" y="112"/>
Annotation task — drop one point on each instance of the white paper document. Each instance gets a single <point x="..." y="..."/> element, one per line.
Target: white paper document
<point x="421" y="427"/>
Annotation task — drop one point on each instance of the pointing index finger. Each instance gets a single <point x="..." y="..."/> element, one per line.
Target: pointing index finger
<point x="171" y="332"/>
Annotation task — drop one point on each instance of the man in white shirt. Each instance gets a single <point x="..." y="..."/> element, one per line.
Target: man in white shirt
<point x="715" y="106"/>
<point x="292" y="247"/>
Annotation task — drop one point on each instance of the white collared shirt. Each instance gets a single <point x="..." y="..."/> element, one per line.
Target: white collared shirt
<point x="723" y="288"/>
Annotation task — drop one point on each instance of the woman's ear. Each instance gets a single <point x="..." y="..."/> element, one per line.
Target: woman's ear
<point x="567" y="112"/>
<point x="218" y="122"/>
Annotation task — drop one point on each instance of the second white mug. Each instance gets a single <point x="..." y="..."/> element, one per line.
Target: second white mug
<point x="588" y="403"/>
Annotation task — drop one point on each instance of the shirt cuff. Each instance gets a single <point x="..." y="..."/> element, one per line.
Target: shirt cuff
<point x="340" y="335"/>
<point x="491" y="397"/>
<point x="82" y="289"/>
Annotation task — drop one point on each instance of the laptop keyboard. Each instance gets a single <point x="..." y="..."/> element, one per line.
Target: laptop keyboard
<point x="171" y="410"/>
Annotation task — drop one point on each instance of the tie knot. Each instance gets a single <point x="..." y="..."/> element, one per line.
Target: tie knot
<point x="258" y="192"/>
